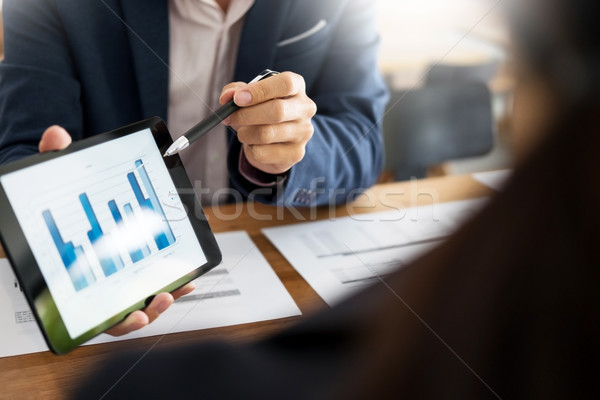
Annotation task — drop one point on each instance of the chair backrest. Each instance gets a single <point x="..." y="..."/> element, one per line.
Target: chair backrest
<point x="436" y="123"/>
<point x="443" y="73"/>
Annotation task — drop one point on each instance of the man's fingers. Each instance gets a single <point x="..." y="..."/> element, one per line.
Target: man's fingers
<point x="182" y="291"/>
<point x="274" y="122"/>
<point x="158" y="305"/>
<point x="134" y="321"/>
<point x="54" y="138"/>
<point x="274" y="112"/>
<point x="229" y="90"/>
<point x="138" y="319"/>
<point x="288" y="132"/>
<point x="278" y="158"/>
<point x="277" y="86"/>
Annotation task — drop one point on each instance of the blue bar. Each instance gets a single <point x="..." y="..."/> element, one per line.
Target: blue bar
<point x="114" y="210"/>
<point x="165" y="238"/>
<point x="80" y="273"/>
<point x="142" y="253"/>
<point x="110" y="262"/>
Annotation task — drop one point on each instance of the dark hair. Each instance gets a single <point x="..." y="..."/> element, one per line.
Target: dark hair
<point x="558" y="40"/>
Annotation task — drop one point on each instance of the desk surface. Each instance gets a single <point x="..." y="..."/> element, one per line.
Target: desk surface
<point x="44" y="375"/>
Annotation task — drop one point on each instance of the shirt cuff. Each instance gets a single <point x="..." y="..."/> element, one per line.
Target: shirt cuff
<point x="256" y="176"/>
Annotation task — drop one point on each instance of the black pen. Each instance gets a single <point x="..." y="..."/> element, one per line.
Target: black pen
<point x="214" y="119"/>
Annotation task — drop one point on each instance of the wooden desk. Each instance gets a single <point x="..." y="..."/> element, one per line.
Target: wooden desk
<point x="44" y="375"/>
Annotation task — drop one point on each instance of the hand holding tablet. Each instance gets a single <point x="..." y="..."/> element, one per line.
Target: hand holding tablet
<point x="97" y="231"/>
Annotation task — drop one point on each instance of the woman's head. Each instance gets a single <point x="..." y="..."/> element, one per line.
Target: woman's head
<point x="557" y="52"/>
<point x="557" y="40"/>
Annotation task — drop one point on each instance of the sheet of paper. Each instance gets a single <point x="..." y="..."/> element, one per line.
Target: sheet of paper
<point x="338" y="257"/>
<point x="493" y="179"/>
<point x="20" y="333"/>
<point x="242" y="289"/>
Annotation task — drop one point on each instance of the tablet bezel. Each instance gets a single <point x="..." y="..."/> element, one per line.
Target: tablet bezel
<point x="25" y="265"/>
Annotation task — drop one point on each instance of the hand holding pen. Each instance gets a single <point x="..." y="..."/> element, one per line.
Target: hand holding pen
<point x="214" y="119"/>
<point x="274" y="121"/>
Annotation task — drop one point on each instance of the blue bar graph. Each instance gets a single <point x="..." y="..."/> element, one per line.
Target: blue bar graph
<point x="73" y="257"/>
<point x="165" y="237"/>
<point x="108" y="256"/>
<point x="135" y="254"/>
<point x="110" y="260"/>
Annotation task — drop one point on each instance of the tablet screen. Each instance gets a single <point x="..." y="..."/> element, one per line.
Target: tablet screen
<point x="106" y="227"/>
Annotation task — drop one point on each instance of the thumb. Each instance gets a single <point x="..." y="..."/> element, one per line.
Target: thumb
<point x="229" y="90"/>
<point x="54" y="138"/>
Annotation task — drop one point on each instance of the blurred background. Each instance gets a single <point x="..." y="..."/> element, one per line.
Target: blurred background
<point x="447" y="65"/>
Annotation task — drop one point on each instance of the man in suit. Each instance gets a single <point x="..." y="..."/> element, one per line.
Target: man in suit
<point x="75" y="68"/>
<point x="94" y="65"/>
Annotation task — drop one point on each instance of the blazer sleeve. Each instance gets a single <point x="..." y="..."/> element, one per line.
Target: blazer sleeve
<point x="38" y="87"/>
<point x="345" y="155"/>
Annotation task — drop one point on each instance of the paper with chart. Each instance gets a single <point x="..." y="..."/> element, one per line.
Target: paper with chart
<point x="242" y="289"/>
<point x="20" y="333"/>
<point x="338" y="257"/>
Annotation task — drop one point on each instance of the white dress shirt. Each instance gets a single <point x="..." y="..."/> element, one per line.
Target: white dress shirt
<point x="204" y="42"/>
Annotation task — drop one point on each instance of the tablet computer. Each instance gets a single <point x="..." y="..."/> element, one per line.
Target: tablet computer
<point x="95" y="230"/>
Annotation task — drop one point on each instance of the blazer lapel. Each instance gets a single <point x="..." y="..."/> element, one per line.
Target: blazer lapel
<point x="148" y="30"/>
<point x="262" y="28"/>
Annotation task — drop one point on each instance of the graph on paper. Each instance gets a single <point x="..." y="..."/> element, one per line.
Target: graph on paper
<point x="104" y="249"/>
<point x="338" y="257"/>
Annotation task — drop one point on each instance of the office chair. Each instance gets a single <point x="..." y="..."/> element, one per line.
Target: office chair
<point x="443" y="73"/>
<point x="434" y="124"/>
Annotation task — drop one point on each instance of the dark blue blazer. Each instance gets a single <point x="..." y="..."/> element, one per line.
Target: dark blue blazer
<point x="94" y="65"/>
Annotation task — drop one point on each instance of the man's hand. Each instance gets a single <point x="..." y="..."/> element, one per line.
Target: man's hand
<point x="140" y="318"/>
<point x="54" y="138"/>
<point x="57" y="138"/>
<point x="274" y="124"/>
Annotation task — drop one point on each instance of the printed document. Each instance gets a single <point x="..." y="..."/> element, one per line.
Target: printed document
<point x="243" y="289"/>
<point x="338" y="257"/>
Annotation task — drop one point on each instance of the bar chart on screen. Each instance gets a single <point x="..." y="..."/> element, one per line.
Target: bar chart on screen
<point x="121" y="222"/>
<point x="106" y="226"/>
